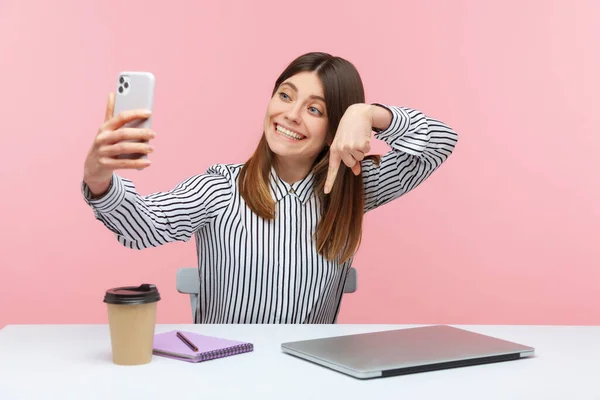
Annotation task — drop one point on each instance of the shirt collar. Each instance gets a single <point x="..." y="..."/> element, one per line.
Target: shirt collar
<point x="303" y="189"/>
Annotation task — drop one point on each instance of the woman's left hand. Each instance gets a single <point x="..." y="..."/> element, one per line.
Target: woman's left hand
<point x="352" y="141"/>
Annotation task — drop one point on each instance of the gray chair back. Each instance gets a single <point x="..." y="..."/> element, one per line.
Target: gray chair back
<point x="188" y="282"/>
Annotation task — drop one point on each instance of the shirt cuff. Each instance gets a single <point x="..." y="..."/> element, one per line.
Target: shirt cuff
<point x="398" y="125"/>
<point x="110" y="200"/>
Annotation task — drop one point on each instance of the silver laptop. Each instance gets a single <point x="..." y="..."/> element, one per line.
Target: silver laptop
<point x="405" y="351"/>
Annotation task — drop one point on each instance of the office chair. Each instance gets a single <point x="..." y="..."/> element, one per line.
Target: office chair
<point x="189" y="283"/>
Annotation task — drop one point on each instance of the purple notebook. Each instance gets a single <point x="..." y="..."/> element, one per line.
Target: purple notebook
<point x="167" y="344"/>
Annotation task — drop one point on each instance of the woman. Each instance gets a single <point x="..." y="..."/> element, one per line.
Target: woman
<point x="276" y="235"/>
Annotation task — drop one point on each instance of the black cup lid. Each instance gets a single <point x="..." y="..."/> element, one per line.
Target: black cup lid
<point x="145" y="293"/>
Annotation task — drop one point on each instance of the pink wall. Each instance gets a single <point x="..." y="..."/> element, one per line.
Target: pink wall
<point x="506" y="232"/>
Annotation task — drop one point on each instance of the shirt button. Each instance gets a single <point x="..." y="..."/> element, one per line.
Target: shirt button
<point x="292" y="191"/>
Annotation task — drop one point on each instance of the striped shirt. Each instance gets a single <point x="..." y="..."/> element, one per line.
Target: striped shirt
<point x="268" y="271"/>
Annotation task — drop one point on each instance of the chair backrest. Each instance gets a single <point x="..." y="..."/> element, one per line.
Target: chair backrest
<point x="188" y="282"/>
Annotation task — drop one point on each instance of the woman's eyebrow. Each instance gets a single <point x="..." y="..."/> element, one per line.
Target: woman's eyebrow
<point x="295" y="89"/>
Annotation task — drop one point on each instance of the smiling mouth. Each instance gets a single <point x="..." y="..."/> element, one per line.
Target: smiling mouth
<point x="288" y="134"/>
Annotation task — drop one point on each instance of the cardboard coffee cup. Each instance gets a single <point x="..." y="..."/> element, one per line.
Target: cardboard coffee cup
<point x="131" y="319"/>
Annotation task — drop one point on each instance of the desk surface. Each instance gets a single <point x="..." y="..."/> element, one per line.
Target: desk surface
<point x="74" y="362"/>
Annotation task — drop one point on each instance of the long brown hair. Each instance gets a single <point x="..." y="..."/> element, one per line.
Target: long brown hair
<point x="339" y="230"/>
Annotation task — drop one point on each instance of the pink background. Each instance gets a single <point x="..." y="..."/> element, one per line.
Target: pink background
<point x="505" y="233"/>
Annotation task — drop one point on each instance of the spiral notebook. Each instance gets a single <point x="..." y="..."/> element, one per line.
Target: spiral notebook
<point x="168" y="344"/>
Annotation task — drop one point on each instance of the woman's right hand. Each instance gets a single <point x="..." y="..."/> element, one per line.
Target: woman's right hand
<point x="113" y="140"/>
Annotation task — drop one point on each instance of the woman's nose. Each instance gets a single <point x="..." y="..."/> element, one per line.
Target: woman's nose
<point x="293" y="114"/>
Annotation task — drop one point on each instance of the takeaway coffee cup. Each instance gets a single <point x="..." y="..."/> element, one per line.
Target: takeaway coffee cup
<point x="131" y="319"/>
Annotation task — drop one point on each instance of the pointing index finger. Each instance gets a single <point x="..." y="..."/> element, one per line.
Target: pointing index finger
<point x="334" y="165"/>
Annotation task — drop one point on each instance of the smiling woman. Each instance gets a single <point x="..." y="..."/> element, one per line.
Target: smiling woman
<point x="276" y="235"/>
<point x="302" y="117"/>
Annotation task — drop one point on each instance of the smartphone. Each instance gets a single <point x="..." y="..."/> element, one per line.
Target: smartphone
<point x="135" y="90"/>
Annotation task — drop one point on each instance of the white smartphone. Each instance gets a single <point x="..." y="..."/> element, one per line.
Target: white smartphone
<point x="135" y="90"/>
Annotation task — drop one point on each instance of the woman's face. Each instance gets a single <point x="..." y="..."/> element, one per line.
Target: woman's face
<point x="296" y="118"/>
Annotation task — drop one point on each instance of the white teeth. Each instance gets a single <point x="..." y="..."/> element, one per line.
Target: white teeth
<point x="288" y="133"/>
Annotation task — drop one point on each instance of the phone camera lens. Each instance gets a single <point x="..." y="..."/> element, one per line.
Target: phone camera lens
<point x="120" y="89"/>
<point x="126" y="85"/>
<point x="121" y="80"/>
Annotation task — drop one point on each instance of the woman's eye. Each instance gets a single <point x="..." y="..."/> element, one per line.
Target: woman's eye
<point x="284" y="96"/>
<point x="315" y="110"/>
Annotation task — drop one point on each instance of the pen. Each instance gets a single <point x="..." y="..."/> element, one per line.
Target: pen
<point x="186" y="341"/>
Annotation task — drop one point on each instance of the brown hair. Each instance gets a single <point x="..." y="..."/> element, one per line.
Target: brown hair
<point x="339" y="230"/>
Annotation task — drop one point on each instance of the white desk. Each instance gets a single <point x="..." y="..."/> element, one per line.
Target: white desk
<point x="73" y="362"/>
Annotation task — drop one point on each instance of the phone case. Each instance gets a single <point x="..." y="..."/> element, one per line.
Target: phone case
<point x="135" y="90"/>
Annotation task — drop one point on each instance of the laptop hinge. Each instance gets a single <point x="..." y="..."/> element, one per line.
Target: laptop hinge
<point x="451" y="364"/>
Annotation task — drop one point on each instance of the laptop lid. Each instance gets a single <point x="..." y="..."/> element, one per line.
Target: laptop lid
<point x="405" y="351"/>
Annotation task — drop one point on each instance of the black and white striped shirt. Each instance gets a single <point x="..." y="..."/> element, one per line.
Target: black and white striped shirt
<point x="257" y="271"/>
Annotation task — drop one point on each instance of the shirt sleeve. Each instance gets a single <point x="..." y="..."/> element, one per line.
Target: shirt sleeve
<point x="419" y="145"/>
<point x="149" y="221"/>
